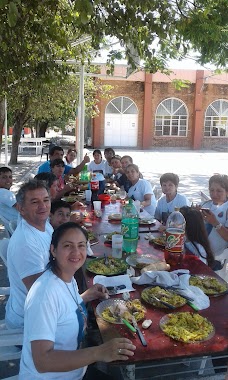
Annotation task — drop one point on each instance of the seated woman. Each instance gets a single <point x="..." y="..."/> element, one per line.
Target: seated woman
<point x="98" y="164"/>
<point x="171" y="199"/>
<point x="141" y="189"/>
<point x="197" y="241"/>
<point x="215" y="213"/>
<point x="56" y="318"/>
<point x="70" y="158"/>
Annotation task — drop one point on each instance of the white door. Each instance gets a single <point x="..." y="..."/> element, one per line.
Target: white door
<point x="121" y="123"/>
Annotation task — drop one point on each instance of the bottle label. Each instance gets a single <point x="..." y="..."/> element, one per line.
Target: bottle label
<point x="174" y="239"/>
<point x="130" y="230"/>
<point x="94" y="185"/>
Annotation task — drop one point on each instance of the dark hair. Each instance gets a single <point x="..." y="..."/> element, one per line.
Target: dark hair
<point x="57" y="162"/>
<point x="5" y="169"/>
<point x="71" y="150"/>
<point x="169" y="177"/>
<point x="117" y="157"/>
<point x="128" y="157"/>
<point x="57" y="235"/>
<point x="221" y="179"/>
<point x="109" y="150"/>
<point x="49" y="178"/>
<point x="59" y="204"/>
<point x="196" y="231"/>
<point x="31" y="185"/>
<point x="133" y="166"/>
<point x="54" y="148"/>
<point x="97" y="151"/>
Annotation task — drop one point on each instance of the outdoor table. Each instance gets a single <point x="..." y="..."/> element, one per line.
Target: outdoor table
<point x="161" y="350"/>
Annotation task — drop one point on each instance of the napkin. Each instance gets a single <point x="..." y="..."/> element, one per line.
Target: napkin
<point x="89" y="250"/>
<point x="114" y="281"/>
<point x="178" y="278"/>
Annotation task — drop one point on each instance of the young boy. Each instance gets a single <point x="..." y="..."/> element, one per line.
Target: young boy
<point x="171" y="199"/>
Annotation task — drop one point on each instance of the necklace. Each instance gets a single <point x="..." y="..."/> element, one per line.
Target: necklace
<point x="80" y="308"/>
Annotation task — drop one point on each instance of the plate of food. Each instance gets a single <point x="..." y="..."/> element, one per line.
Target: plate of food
<point x="187" y="327"/>
<point x="70" y="198"/>
<point x="140" y="261"/>
<point x="115" y="217"/>
<point x="112" y="268"/>
<point x="166" y="296"/>
<point x="147" y="222"/>
<point x="209" y="285"/>
<point x="108" y="237"/>
<point x="158" y="241"/>
<point x="93" y="239"/>
<point x="112" y="310"/>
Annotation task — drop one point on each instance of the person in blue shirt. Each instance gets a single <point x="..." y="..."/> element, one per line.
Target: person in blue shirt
<point x="57" y="152"/>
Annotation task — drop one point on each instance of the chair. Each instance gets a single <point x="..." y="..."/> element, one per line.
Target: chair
<point x="204" y="197"/>
<point x="9" y="339"/>
<point x="5" y="223"/>
<point x="3" y="250"/>
<point x="12" y="226"/>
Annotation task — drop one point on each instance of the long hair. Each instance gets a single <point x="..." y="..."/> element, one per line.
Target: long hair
<point x="196" y="231"/>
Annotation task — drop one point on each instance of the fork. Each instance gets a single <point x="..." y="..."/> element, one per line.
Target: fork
<point x="162" y="302"/>
<point x="105" y="259"/>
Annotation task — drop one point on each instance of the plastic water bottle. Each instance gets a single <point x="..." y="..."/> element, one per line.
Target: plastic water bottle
<point x="175" y="237"/>
<point x="130" y="227"/>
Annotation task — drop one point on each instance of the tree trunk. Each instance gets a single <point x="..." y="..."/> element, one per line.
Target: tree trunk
<point x="2" y="119"/>
<point x="20" y="120"/>
<point x="42" y="128"/>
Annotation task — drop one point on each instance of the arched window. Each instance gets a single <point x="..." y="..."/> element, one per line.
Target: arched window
<point x="216" y="119"/>
<point x="171" y="118"/>
<point x="123" y="105"/>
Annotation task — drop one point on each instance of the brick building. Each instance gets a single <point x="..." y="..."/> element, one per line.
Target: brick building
<point x="146" y="111"/>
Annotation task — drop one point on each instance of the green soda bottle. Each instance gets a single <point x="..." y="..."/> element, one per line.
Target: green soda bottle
<point x="130" y="227"/>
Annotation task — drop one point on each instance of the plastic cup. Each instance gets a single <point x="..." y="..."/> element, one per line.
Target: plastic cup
<point x="117" y="245"/>
<point x="97" y="208"/>
<point x="88" y="194"/>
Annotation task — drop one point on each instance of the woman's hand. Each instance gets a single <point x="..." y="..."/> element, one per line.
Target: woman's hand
<point x="115" y="349"/>
<point x="97" y="291"/>
<point x="209" y="217"/>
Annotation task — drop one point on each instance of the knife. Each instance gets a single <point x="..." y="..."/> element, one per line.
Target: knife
<point x="175" y="290"/>
<point x="139" y="332"/>
<point x="114" y="289"/>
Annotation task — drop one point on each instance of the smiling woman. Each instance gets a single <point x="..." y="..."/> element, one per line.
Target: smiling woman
<point x="56" y="317"/>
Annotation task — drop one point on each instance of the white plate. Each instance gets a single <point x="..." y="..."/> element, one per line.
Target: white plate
<point x="134" y="259"/>
<point x="147" y="222"/>
<point x="107" y="303"/>
<point x="115" y="217"/>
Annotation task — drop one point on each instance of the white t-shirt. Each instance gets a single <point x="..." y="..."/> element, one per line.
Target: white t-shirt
<point x="50" y="314"/>
<point x="141" y="188"/>
<point x="92" y="166"/>
<point x="167" y="207"/>
<point x="27" y="254"/>
<point x="218" y="244"/>
<point x="7" y="201"/>
<point x="193" y="249"/>
<point x="108" y="169"/>
<point x="72" y="164"/>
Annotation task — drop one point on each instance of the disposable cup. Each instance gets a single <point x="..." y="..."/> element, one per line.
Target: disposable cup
<point x="117" y="245"/>
<point x="88" y="194"/>
<point x="97" y="205"/>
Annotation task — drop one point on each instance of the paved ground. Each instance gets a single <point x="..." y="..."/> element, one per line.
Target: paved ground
<point x="193" y="167"/>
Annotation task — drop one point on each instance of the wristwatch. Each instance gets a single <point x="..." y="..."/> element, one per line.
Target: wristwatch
<point x="218" y="226"/>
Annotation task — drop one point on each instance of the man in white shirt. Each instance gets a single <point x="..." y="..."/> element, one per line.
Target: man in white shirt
<point x="7" y="199"/>
<point x="28" y="250"/>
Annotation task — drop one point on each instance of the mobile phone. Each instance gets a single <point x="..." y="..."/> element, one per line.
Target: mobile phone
<point x="207" y="210"/>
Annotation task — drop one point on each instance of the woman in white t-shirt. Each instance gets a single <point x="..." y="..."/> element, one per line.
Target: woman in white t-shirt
<point x="197" y="241"/>
<point x="215" y="213"/>
<point x="70" y="158"/>
<point x="55" y="316"/>
<point x="141" y="189"/>
<point x="97" y="165"/>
